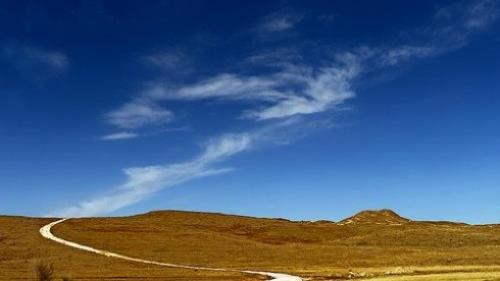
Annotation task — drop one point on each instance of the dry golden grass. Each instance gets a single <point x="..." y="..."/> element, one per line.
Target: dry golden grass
<point x="22" y="248"/>
<point x="454" y="276"/>
<point x="320" y="249"/>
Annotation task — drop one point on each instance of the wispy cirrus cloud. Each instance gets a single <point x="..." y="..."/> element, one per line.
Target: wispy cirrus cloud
<point x="395" y="56"/>
<point x="31" y="58"/>
<point x="119" y="136"/>
<point x="293" y="90"/>
<point x="453" y="26"/>
<point x="466" y="15"/>
<point x="141" y="182"/>
<point x="278" y="22"/>
<point x="171" y="61"/>
<point x="278" y="57"/>
<point x="137" y="114"/>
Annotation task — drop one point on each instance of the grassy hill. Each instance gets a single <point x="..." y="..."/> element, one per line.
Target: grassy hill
<point x="371" y="242"/>
<point x="383" y="217"/>
<point x="367" y="244"/>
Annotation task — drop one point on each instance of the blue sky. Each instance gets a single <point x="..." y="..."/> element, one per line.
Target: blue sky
<point x="304" y="110"/>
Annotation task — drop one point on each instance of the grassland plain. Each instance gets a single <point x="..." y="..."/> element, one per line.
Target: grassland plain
<point x="369" y="244"/>
<point x="22" y="248"/>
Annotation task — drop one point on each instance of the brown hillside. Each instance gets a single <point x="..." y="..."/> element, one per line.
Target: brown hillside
<point x="384" y="216"/>
<point x="324" y="250"/>
<point x="22" y="248"/>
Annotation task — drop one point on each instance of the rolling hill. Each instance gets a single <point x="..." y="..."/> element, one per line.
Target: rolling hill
<point x="369" y="243"/>
<point x="383" y="217"/>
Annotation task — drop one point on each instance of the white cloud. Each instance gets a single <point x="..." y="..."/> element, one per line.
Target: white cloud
<point x="294" y="90"/>
<point x="119" y="136"/>
<point x="279" y="57"/>
<point x="277" y="24"/>
<point x="226" y="85"/>
<point x="174" y="61"/>
<point x="470" y="15"/>
<point x="323" y="91"/>
<point x="31" y="58"/>
<point x="395" y="56"/>
<point x="481" y="14"/>
<point x="54" y="59"/>
<point x="278" y="21"/>
<point x="165" y="60"/>
<point x="138" y="114"/>
<point x="225" y="146"/>
<point x="455" y="24"/>
<point x="143" y="181"/>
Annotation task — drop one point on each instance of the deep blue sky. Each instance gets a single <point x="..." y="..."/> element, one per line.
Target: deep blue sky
<point x="304" y="110"/>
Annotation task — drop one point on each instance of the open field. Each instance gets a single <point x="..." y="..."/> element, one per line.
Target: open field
<point x="369" y="244"/>
<point x="22" y="248"/>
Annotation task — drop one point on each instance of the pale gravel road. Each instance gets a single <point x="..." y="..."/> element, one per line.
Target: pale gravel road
<point x="45" y="232"/>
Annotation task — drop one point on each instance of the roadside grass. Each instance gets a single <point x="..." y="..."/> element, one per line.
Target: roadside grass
<point x="45" y="271"/>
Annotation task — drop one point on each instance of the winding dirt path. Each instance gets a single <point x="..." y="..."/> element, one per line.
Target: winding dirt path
<point x="45" y="231"/>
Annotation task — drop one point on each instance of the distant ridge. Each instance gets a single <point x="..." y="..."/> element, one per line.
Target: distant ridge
<point x="383" y="216"/>
<point x="365" y="217"/>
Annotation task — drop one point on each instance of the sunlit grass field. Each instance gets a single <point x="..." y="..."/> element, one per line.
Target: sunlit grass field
<point x="22" y="249"/>
<point x="377" y="244"/>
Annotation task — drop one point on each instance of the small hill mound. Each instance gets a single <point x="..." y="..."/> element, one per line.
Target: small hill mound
<point x="384" y="216"/>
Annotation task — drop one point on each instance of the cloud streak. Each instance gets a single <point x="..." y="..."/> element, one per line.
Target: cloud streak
<point x="119" y="136"/>
<point x="31" y="59"/>
<point x="278" y="22"/>
<point x="294" y="90"/>
<point x="144" y="181"/>
<point x="138" y="114"/>
<point x="453" y="26"/>
<point x="173" y="62"/>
